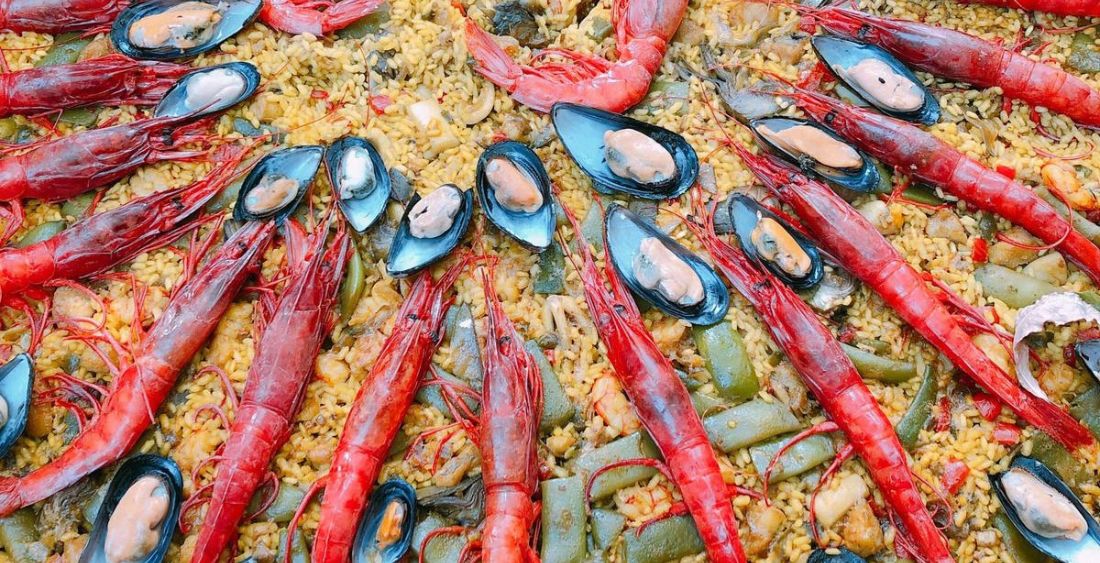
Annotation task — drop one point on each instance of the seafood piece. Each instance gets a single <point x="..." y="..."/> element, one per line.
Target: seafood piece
<point x="278" y="183"/>
<point x="169" y="29"/>
<point x="514" y="189"/>
<point x="819" y="151"/>
<point x="841" y="555"/>
<point x="834" y="381"/>
<point x="661" y="271"/>
<point x="770" y="241"/>
<point x="431" y="228"/>
<point x="284" y="361"/>
<point x="304" y="16"/>
<point x="602" y="144"/>
<point x="878" y="78"/>
<point x="960" y="57"/>
<point x="376" y="415"/>
<point x="834" y="288"/>
<point x="59" y="16"/>
<point x="1088" y="8"/>
<point x="386" y="531"/>
<point x="643" y="29"/>
<point x="140" y="388"/>
<point x="16" y="382"/>
<point x="210" y="90"/>
<point x="1046" y="512"/>
<point x="359" y="177"/>
<point x="110" y="80"/>
<point x="1061" y="308"/>
<point x="138" y="514"/>
<point x="661" y="401"/>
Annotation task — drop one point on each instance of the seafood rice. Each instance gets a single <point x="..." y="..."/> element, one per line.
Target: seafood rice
<point x="383" y="80"/>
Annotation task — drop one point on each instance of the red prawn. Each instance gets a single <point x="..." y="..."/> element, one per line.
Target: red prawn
<point x="304" y="16"/>
<point x="59" y="16"/>
<point x="1086" y="8"/>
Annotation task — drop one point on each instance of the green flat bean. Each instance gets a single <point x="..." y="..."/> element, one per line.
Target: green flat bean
<point x="79" y="117"/>
<point x="800" y="458"/>
<point x="664" y="540"/>
<point x="749" y="423"/>
<point x="91" y="508"/>
<point x="557" y="409"/>
<point x="563" y="520"/>
<point x="465" y="350"/>
<point x="1084" y="55"/>
<point x="634" y="446"/>
<point x="706" y="404"/>
<point x="920" y="410"/>
<point x="592" y="227"/>
<point x="43" y="231"/>
<point x="1015" y="289"/>
<point x="367" y="25"/>
<point x="922" y="194"/>
<point x="607" y="524"/>
<point x="663" y="93"/>
<point x="727" y="360"/>
<point x="8" y="128"/>
<point x="433" y="394"/>
<point x="601" y="28"/>
<point x="75" y="207"/>
<point x="355" y="281"/>
<point x="1014" y="543"/>
<point x="1087" y="228"/>
<point x="285" y="503"/>
<point x="1059" y="460"/>
<point x="1086" y="407"/>
<point x="66" y="49"/>
<point x="551" y="276"/>
<point x="878" y="368"/>
<point x="225" y="198"/>
<point x="19" y="537"/>
<point x="299" y="552"/>
<point x="444" y="548"/>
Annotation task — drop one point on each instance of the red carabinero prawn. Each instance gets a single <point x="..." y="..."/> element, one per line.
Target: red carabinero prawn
<point x="1087" y="8"/>
<point x="58" y="16"/>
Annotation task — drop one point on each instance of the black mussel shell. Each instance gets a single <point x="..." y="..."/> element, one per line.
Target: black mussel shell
<point x="235" y="16"/>
<point x="409" y="254"/>
<point x="1089" y="353"/>
<point x="1087" y="549"/>
<point x="535" y="229"/>
<point x="865" y="179"/>
<point x="841" y="556"/>
<point x="361" y="209"/>
<point x="131" y="470"/>
<point x="365" y="549"/>
<point x="16" y="381"/>
<point x="625" y="232"/>
<point x="297" y="163"/>
<point x="839" y="53"/>
<point x="174" y="102"/>
<point x="744" y="213"/>
<point x="581" y="130"/>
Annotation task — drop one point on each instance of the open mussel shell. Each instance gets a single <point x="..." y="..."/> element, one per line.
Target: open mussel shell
<point x="534" y="229"/>
<point x="130" y="472"/>
<point x="1087" y="549"/>
<point x="187" y="97"/>
<point x="625" y="233"/>
<point x="834" y="555"/>
<point x="394" y="502"/>
<point x="841" y="55"/>
<point x="865" y="178"/>
<point x="409" y="254"/>
<point x="285" y="175"/>
<point x="233" y="16"/>
<point x="745" y="214"/>
<point x="16" y="381"/>
<point x="359" y="180"/>
<point x="582" y="130"/>
<point x="1089" y="353"/>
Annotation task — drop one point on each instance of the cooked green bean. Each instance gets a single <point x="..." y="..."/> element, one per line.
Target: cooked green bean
<point x="663" y="93"/>
<point x="355" y="281"/>
<point x="664" y="540"/>
<point x="66" y="49"/>
<point x="43" y="231"/>
<point x="878" y="368"/>
<point x="1084" y="55"/>
<point x="19" y="537"/>
<point x="433" y="394"/>
<point x="367" y="25"/>
<point x="285" y="503"/>
<point x="601" y="28"/>
<point x="8" y="128"/>
<point x="921" y="193"/>
<point x="91" y="508"/>
<point x="706" y="404"/>
<point x="634" y="446"/>
<point x="465" y="350"/>
<point x="1015" y="289"/>
<point x="299" y="552"/>
<point x="563" y="520"/>
<point x="592" y="226"/>
<point x="727" y="360"/>
<point x="1087" y="228"/>
<point x="79" y="117"/>
<point x="607" y="524"/>
<point x="551" y="276"/>
<point x="1059" y="460"/>
<point x="557" y="409"/>
<point x="442" y="548"/>
<point x="225" y="198"/>
<point x="749" y="423"/>
<point x="76" y="207"/>
<point x="800" y="458"/>
<point x="920" y="410"/>
<point x="1086" y="407"/>
<point x="1016" y="546"/>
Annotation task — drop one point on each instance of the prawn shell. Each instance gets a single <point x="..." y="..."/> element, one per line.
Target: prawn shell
<point x="864" y="180"/>
<point x="582" y="129"/>
<point x="1087" y="549"/>
<point x="173" y="104"/>
<point x="298" y="163"/>
<point x="625" y="232"/>
<point x="842" y="556"/>
<point x="534" y="230"/>
<point x="363" y="550"/>
<point x="409" y="254"/>
<point x="745" y="213"/>
<point x="362" y="212"/>
<point x="16" y="382"/>
<point x="837" y="53"/>
<point x="239" y="14"/>
<point x="131" y="470"/>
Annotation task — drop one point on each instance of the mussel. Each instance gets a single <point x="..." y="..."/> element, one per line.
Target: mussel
<point x="385" y="532"/>
<point x="277" y="184"/>
<point x="878" y="78"/>
<point x="139" y="513"/>
<point x="626" y="155"/>
<point x="359" y="180"/>
<point x="173" y="29"/>
<point x="514" y="190"/>
<point x="662" y="272"/>
<point x="209" y="90"/>
<point x="1046" y="512"/>
<point x="431" y="228"/>
<point x="1089" y="353"/>
<point x="16" y="380"/>
<point x="819" y="151"/>
<point x="834" y="555"/>
<point x="769" y="240"/>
